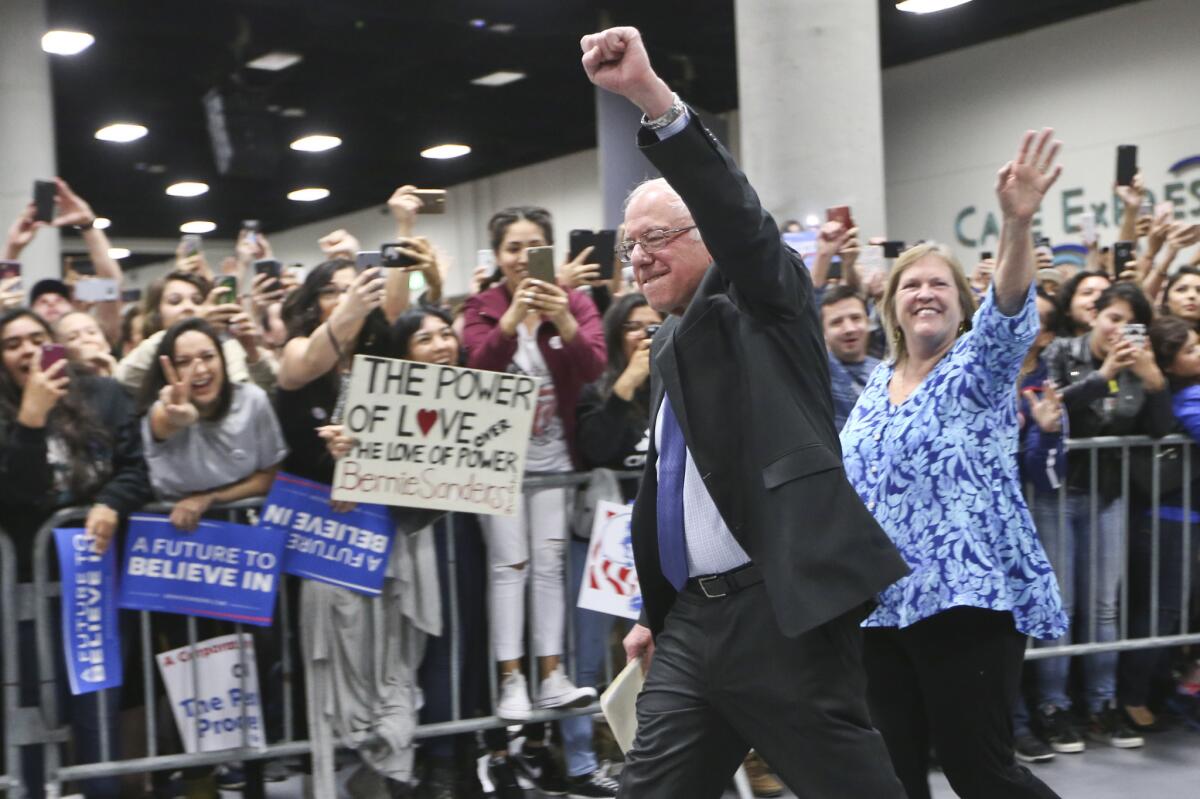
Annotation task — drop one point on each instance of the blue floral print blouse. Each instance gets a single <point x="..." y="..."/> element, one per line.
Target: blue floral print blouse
<point x="939" y="472"/>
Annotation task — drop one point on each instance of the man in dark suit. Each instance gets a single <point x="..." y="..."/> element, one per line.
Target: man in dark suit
<point x="756" y="559"/>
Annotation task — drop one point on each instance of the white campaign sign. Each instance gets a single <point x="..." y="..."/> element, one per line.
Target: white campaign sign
<point x="610" y="582"/>
<point x="213" y="711"/>
<point x="438" y="437"/>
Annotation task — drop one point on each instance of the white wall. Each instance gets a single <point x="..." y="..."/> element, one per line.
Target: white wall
<point x="568" y="187"/>
<point x="1126" y="76"/>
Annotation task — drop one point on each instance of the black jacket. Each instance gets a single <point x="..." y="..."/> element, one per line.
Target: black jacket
<point x="27" y="495"/>
<point x="746" y="370"/>
<point x="1093" y="409"/>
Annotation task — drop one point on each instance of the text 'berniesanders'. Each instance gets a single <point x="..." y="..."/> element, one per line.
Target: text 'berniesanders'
<point x="438" y="437"/>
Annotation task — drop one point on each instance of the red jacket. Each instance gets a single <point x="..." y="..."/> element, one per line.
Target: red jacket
<point x="572" y="364"/>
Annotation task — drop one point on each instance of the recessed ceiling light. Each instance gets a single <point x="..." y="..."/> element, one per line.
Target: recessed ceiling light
<point x="67" y="42"/>
<point x="308" y="195"/>
<point x="812" y="220"/>
<point x="121" y="132"/>
<point x="275" y="60"/>
<point x="443" y="151"/>
<point x="198" y="226"/>
<point x="102" y="223"/>
<point x="187" y="188"/>
<point x="292" y="113"/>
<point x="928" y="6"/>
<point x="503" y="27"/>
<point x="316" y="143"/>
<point x="118" y="253"/>
<point x="478" y="23"/>
<point x="498" y="78"/>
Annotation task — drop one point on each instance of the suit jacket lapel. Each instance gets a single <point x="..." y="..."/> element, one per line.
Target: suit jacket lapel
<point x="668" y="373"/>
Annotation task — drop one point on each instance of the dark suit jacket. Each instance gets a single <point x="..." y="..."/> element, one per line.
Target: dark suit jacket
<point x="746" y="371"/>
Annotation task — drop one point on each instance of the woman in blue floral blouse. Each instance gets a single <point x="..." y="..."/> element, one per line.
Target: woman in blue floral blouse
<point x="931" y="449"/>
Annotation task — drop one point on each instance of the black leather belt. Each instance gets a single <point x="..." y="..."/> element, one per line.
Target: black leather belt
<point x="715" y="586"/>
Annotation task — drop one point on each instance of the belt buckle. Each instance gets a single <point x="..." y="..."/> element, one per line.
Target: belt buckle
<point x="704" y="581"/>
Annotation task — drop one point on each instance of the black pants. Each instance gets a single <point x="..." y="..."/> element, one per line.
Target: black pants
<point x="724" y="679"/>
<point x="951" y="680"/>
<point x="1140" y="668"/>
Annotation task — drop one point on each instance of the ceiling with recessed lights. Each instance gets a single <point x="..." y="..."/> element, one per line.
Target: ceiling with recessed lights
<point x="390" y="80"/>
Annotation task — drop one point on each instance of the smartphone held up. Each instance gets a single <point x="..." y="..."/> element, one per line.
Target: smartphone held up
<point x="51" y="354"/>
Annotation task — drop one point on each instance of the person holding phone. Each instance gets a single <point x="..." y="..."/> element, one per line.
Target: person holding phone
<point x="533" y="326"/>
<point x="183" y="295"/>
<point x="1110" y="386"/>
<point x="426" y="335"/>
<point x="74" y="212"/>
<point x="66" y="439"/>
<point x="1162" y="545"/>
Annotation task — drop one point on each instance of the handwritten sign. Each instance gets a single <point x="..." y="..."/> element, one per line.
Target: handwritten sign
<point x="222" y="570"/>
<point x="222" y="707"/>
<point x="91" y="638"/>
<point x="437" y="437"/>
<point x="348" y="549"/>
<point x="610" y="581"/>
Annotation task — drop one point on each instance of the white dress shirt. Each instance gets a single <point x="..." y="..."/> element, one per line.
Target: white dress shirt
<point x="711" y="547"/>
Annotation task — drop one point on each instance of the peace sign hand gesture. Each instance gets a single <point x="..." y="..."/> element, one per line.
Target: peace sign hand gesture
<point x="1022" y="183"/>
<point x="176" y="396"/>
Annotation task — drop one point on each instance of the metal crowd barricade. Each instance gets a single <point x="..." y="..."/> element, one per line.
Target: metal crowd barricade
<point x="54" y="734"/>
<point x="51" y="734"/>
<point x="10" y="702"/>
<point x="1085" y="640"/>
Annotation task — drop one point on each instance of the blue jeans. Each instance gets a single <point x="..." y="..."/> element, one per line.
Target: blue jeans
<point x="591" y="639"/>
<point x="1070" y="550"/>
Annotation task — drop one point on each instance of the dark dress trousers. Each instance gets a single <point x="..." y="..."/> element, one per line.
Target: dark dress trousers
<point x="776" y="666"/>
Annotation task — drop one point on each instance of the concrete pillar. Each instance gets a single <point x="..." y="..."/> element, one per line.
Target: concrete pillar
<point x="26" y="128"/>
<point x="622" y="166"/>
<point x="810" y="111"/>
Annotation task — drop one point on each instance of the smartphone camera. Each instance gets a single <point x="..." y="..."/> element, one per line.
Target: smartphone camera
<point x="392" y="256"/>
<point x="1134" y="333"/>
<point x="651" y="330"/>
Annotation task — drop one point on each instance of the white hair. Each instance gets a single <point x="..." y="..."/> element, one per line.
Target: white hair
<point x="672" y="198"/>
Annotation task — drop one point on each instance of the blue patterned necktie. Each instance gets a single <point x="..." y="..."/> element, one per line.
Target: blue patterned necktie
<point x="672" y="542"/>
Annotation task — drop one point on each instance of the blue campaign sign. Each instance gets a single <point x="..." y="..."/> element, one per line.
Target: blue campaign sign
<point x="91" y="639"/>
<point x="347" y="549"/>
<point x="222" y="570"/>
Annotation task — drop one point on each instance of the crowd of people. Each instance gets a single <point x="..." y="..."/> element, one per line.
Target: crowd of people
<point x="196" y="398"/>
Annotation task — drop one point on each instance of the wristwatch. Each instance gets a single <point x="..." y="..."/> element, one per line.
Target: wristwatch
<point x="670" y="115"/>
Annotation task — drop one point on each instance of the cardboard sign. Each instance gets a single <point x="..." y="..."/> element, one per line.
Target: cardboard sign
<point x="222" y="570"/>
<point x="347" y="549"/>
<point x="437" y="437"/>
<point x="610" y="582"/>
<point x="91" y="638"/>
<point x="215" y="711"/>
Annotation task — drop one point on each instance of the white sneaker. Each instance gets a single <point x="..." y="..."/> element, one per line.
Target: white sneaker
<point x="514" y="698"/>
<point x="558" y="691"/>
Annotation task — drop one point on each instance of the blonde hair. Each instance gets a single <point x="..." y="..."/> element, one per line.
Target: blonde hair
<point x="887" y="310"/>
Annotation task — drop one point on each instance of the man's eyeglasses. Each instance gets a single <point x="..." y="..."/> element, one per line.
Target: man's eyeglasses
<point x="651" y="241"/>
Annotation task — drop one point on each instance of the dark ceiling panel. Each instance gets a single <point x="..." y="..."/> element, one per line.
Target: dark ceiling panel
<point x="390" y="78"/>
